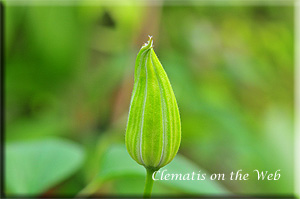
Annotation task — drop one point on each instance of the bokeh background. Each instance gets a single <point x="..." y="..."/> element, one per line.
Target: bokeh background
<point x="68" y="82"/>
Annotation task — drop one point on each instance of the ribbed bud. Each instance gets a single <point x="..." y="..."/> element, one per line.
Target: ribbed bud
<point x="153" y="131"/>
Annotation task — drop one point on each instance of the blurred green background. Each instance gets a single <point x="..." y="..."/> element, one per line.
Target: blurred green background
<point x="68" y="82"/>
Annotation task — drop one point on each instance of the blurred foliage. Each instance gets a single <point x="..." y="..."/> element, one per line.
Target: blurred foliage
<point x="33" y="167"/>
<point x="111" y="168"/>
<point x="69" y="74"/>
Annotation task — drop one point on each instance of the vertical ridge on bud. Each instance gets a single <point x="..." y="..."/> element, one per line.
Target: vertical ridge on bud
<point x="151" y="145"/>
<point x="153" y="131"/>
<point x="172" y="130"/>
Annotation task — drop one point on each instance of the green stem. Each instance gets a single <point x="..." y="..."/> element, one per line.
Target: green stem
<point x="149" y="183"/>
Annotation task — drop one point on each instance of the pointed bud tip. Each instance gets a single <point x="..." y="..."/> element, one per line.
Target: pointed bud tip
<point x="150" y="40"/>
<point x="149" y="43"/>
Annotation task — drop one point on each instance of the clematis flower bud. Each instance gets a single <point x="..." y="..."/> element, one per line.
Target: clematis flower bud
<point x="153" y="131"/>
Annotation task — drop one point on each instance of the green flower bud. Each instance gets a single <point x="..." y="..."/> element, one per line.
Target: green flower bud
<point x="153" y="131"/>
